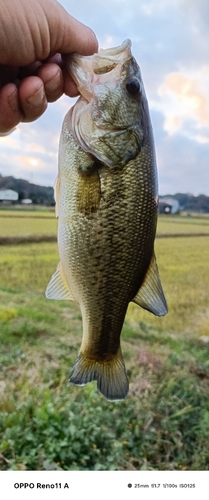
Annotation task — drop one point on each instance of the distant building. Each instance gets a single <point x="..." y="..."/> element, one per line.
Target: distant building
<point x="26" y="201"/>
<point x="8" y="195"/>
<point x="168" y="205"/>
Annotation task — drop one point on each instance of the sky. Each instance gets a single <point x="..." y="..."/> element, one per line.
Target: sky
<point x="170" y="40"/>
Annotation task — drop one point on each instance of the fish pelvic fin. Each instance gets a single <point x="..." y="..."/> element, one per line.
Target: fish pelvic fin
<point x="150" y="296"/>
<point x="111" y="376"/>
<point x="58" y="288"/>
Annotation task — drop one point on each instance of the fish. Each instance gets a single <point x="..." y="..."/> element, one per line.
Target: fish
<point x="106" y="195"/>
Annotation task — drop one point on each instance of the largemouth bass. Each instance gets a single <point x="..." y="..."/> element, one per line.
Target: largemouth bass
<point x="106" y="200"/>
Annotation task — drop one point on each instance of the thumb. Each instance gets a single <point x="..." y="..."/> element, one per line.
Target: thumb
<point x="67" y="34"/>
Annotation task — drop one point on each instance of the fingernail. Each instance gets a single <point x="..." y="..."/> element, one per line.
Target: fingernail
<point x="37" y="98"/>
<point x="53" y="83"/>
<point x="13" y="101"/>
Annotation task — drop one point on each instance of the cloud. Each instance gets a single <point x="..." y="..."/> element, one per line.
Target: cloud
<point x="197" y="12"/>
<point x="9" y="141"/>
<point x="37" y="148"/>
<point x="202" y="139"/>
<point x="182" y="166"/>
<point x="30" y="162"/>
<point x="185" y="102"/>
<point x="182" y="163"/>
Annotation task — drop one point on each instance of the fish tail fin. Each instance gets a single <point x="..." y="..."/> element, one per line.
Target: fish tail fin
<point x="111" y="376"/>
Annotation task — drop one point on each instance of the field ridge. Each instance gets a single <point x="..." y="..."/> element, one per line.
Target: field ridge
<point x="18" y="240"/>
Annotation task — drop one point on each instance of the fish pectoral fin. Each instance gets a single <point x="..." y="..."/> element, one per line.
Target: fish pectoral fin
<point x="58" y="288"/>
<point x="150" y="296"/>
<point x="57" y="195"/>
<point x="88" y="191"/>
<point x="111" y="376"/>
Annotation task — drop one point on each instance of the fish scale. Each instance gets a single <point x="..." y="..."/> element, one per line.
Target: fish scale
<point x="106" y="201"/>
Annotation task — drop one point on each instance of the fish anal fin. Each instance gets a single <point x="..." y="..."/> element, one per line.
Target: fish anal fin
<point x="150" y="295"/>
<point x="58" y="288"/>
<point x="111" y="376"/>
<point x="57" y="195"/>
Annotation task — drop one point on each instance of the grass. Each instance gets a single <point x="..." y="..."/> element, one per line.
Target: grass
<point x="176" y="224"/>
<point x="27" y="226"/>
<point x="47" y="424"/>
<point x="34" y="222"/>
<point x="26" y="211"/>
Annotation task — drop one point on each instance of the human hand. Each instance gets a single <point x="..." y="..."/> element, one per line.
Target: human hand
<point x="33" y="35"/>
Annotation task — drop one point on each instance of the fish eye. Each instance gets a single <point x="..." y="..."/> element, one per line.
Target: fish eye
<point x="133" y="85"/>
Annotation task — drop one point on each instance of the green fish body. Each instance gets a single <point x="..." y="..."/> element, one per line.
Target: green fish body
<point x="106" y="201"/>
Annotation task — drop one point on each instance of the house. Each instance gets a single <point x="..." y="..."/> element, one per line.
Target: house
<point x="168" y="205"/>
<point x="8" y="195"/>
<point x="26" y="201"/>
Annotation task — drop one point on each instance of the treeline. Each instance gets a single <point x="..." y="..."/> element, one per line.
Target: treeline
<point x="43" y="195"/>
<point x="191" y="203"/>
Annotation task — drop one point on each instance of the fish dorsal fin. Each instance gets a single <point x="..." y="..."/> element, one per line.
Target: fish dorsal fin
<point x="150" y="296"/>
<point x="57" y="195"/>
<point x="58" y="288"/>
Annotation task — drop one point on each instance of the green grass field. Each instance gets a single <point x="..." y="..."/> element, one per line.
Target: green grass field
<point x="27" y="226"/>
<point x="182" y="225"/>
<point x="48" y="424"/>
<point x="25" y="222"/>
<point x="26" y="211"/>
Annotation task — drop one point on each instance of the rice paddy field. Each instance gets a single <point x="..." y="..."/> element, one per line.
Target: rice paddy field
<point x="30" y="223"/>
<point x="47" y="423"/>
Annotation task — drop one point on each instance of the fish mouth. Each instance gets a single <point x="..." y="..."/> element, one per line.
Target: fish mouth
<point x="88" y="71"/>
<point x="115" y="51"/>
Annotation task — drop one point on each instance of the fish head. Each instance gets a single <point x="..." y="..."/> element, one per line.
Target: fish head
<point x="111" y="119"/>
